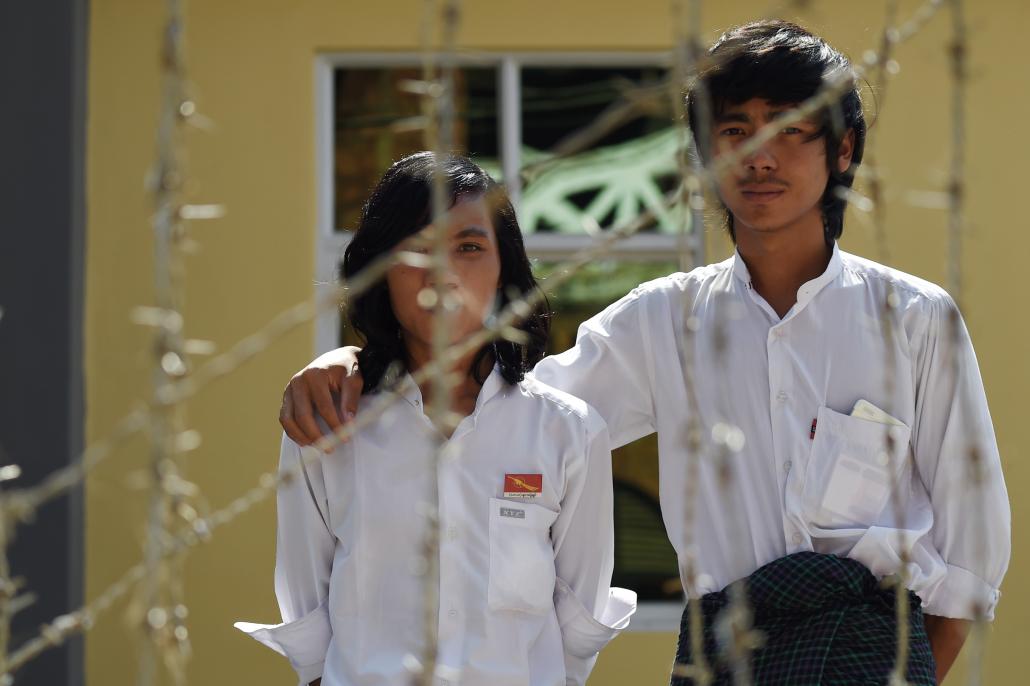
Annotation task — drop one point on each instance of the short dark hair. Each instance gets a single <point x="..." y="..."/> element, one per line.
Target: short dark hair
<point x="785" y="64"/>
<point x="400" y="206"/>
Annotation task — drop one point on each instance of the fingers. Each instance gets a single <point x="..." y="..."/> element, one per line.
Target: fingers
<point x="323" y="400"/>
<point x="302" y="411"/>
<point x="286" y="420"/>
<point x="309" y="395"/>
<point x="350" y="392"/>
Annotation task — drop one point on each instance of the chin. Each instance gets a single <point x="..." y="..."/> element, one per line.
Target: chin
<point x="759" y="226"/>
<point x="764" y="223"/>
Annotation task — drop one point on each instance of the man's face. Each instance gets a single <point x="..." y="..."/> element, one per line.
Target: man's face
<point x="781" y="183"/>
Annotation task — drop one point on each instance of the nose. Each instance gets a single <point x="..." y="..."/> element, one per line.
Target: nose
<point x="760" y="160"/>
<point x="449" y="277"/>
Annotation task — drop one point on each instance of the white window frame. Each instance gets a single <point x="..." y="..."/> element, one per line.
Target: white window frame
<point x="330" y="244"/>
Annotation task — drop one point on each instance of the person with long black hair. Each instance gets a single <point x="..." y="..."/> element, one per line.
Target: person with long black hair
<point x="524" y="481"/>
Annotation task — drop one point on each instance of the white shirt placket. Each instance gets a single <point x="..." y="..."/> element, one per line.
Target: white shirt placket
<point x="452" y="612"/>
<point x="782" y="420"/>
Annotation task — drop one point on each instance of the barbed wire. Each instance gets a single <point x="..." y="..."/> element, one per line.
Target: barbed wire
<point x="874" y="179"/>
<point x="438" y="110"/>
<point x="688" y="52"/>
<point x="159" y="609"/>
<point x="171" y="533"/>
<point x="958" y="50"/>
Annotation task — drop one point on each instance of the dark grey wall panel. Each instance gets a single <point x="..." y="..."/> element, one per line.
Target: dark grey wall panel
<point x="42" y="146"/>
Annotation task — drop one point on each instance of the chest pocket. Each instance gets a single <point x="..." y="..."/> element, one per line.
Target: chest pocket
<point x="521" y="557"/>
<point x="850" y="474"/>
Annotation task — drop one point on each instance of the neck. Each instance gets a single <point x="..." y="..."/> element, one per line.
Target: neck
<point x="463" y="393"/>
<point x="782" y="261"/>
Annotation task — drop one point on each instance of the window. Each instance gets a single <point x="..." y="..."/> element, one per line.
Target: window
<point x="519" y="116"/>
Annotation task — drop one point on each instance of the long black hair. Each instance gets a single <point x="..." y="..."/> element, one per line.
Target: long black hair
<point x="400" y="206"/>
<point x="785" y="64"/>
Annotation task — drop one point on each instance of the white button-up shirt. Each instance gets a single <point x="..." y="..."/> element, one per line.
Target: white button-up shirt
<point x="808" y="475"/>
<point x="525" y="553"/>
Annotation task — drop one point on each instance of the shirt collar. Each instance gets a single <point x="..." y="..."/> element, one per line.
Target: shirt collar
<point x="807" y="290"/>
<point x="832" y="271"/>
<point x="409" y="390"/>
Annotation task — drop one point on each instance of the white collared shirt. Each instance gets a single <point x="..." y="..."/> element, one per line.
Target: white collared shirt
<point x="774" y="379"/>
<point x="525" y="563"/>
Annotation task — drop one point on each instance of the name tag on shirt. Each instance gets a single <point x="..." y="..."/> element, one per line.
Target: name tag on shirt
<point x="523" y="485"/>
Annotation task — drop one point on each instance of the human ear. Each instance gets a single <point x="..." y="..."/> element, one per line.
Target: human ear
<point x="845" y="151"/>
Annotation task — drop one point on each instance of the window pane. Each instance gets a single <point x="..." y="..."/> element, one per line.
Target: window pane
<point x="375" y="124"/>
<point x="627" y="168"/>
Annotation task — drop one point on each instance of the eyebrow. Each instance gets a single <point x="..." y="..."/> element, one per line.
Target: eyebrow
<point x="472" y="232"/>
<point x="726" y="117"/>
<point x="769" y="115"/>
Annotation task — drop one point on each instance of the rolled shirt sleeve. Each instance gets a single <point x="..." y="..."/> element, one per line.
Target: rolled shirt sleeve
<point x="303" y="563"/>
<point x="303" y="642"/>
<point x="956" y="454"/>
<point x="583" y="633"/>
<point x="590" y="612"/>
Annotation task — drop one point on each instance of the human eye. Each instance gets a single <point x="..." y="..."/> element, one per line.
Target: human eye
<point x="731" y="131"/>
<point x="469" y="248"/>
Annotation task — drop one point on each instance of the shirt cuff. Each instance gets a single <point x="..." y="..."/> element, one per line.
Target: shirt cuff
<point x="958" y="593"/>
<point x="304" y="641"/>
<point x="583" y="635"/>
<point x="577" y="669"/>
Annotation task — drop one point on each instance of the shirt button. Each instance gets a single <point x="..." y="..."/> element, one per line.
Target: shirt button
<point x="786" y="466"/>
<point x="782" y="396"/>
<point x="779" y="332"/>
<point x="454" y="613"/>
<point x="797" y="538"/>
<point x="452" y="533"/>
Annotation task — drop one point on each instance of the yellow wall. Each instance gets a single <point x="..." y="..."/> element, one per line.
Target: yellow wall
<point x="252" y="65"/>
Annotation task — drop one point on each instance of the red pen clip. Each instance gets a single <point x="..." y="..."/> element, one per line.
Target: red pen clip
<point x="811" y="435"/>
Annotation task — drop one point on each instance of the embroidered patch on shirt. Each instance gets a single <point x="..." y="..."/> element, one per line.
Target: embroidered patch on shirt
<point x="523" y="485"/>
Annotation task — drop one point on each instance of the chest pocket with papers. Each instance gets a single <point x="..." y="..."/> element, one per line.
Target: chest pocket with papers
<point x="521" y="557"/>
<point x="850" y="475"/>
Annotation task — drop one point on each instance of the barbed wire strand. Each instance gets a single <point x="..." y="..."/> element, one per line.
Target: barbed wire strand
<point x="687" y="46"/>
<point x="160" y="608"/>
<point x="957" y="226"/>
<point x="885" y="67"/>
<point x="438" y="111"/>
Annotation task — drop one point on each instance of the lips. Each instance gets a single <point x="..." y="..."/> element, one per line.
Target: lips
<point x="760" y="194"/>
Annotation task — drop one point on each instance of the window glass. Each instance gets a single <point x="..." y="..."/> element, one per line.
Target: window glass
<point x="627" y="167"/>
<point x="376" y="122"/>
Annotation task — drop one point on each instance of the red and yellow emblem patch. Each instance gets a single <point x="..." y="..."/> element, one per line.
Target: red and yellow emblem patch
<point x="523" y="485"/>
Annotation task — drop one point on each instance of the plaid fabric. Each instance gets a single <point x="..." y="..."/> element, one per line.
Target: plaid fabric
<point x="825" y="620"/>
